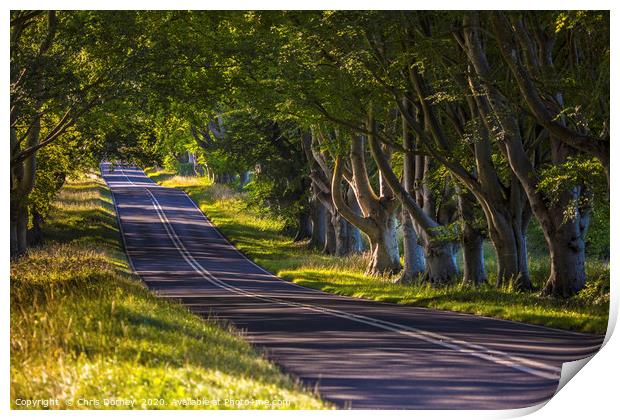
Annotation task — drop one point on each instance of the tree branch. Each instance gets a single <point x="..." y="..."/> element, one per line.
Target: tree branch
<point x="599" y="147"/>
<point x="362" y="223"/>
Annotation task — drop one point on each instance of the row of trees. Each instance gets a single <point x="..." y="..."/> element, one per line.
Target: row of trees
<point x="464" y="126"/>
<point x="454" y="127"/>
<point x="71" y="73"/>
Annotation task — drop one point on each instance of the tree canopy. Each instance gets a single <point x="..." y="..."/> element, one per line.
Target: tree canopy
<point x="448" y="128"/>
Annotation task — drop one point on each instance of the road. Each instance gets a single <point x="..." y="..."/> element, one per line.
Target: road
<point x="357" y="353"/>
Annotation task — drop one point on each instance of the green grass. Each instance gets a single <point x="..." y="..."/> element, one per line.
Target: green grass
<point x="261" y="239"/>
<point x="83" y="327"/>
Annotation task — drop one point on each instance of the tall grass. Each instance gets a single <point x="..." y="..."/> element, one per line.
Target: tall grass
<point x="260" y="238"/>
<point x="85" y="331"/>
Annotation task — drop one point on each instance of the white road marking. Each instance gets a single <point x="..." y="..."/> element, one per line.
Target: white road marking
<point x="126" y="177"/>
<point x="519" y="363"/>
<point x="232" y="247"/>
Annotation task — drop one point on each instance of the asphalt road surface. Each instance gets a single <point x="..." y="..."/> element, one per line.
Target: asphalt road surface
<point x="359" y="354"/>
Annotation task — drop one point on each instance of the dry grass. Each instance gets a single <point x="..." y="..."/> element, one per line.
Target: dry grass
<point x="83" y="328"/>
<point x="260" y="238"/>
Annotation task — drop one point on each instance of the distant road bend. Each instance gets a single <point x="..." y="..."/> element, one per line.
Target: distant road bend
<point x="359" y="354"/>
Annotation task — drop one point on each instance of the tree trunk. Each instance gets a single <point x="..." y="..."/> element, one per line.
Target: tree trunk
<point x="472" y="242"/>
<point x="354" y="239"/>
<point x="341" y="230"/>
<point x="35" y="235"/>
<point x="414" y="264"/>
<point x="22" y="181"/>
<point x="565" y="233"/>
<point x="224" y="178"/>
<point x="329" y="246"/>
<point x="13" y="229"/>
<point x="523" y="281"/>
<point x="508" y="239"/>
<point x="376" y="220"/>
<point x="354" y="236"/>
<point x="441" y="265"/>
<point x="304" y="226"/>
<point x="317" y="240"/>
<point x="505" y="207"/>
<point x="507" y="263"/>
<point x="566" y="242"/>
<point x="22" y="230"/>
<point x="244" y="177"/>
<point x="565" y="239"/>
<point x="385" y="258"/>
<point x="567" y="275"/>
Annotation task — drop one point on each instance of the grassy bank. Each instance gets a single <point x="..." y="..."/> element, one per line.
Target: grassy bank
<point x="84" y="329"/>
<point x="260" y="238"/>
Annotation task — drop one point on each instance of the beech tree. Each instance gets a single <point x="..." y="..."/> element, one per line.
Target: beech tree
<point x="342" y="237"/>
<point x="528" y="46"/>
<point x="451" y="128"/>
<point x="564" y="235"/>
<point x="59" y="77"/>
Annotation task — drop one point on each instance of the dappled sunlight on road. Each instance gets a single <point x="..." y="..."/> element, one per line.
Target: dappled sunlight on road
<point x="405" y="357"/>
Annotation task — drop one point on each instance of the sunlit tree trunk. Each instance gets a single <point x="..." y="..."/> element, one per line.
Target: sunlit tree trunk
<point x="377" y="218"/>
<point x="413" y="253"/>
<point x="22" y="183"/>
<point x="414" y="264"/>
<point x="354" y="236"/>
<point x="564" y="237"/>
<point x="439" y="252"/>
<point x="342" y="238"/>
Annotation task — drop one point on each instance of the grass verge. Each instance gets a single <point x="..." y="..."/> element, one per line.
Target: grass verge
<point x="85" y="331"/>
<point x="261" y="239"/>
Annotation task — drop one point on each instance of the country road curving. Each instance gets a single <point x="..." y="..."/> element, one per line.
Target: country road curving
<point x="358" y="354"/>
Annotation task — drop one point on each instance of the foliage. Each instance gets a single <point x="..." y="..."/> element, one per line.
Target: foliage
<point x="139" y="85"/>
<point x="279" y="183"/>
<point x="54" y="166"/>
<point x="577" y="172"/>
<point x="598" y="236"/>
<point x="585" y="173"/>
<point x="83" y="327"/>
<point x="261" y="239"/>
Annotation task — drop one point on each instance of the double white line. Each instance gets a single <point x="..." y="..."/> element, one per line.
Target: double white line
<point x="499" y="357"/>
